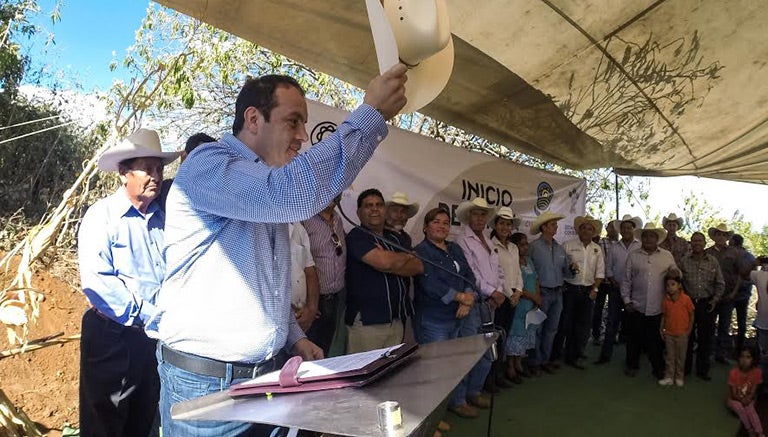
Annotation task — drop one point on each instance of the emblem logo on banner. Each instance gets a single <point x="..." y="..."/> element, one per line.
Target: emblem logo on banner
<point x="544" y="195"/>
<point x="321" y="130"/>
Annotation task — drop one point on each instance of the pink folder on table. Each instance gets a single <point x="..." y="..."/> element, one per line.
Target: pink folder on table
<point x="353" y="370"/>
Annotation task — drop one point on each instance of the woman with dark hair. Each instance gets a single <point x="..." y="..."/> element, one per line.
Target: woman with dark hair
<point x="505" y="222"/>
<point x="446" y="304"/>
<point x="522" y="336"/>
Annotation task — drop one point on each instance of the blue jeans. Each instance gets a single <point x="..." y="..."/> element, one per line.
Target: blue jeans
<point x="741" y="322"/>
<point x="762" y="342"/>
<point x="724" y="342"/>
<point x="429" y="331"/>
<point x="615" y="307"/>
<point x="177" y="385"/>
<point x="552" y="305"/>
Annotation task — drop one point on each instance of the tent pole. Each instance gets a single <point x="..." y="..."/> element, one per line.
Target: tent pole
<point x="616" y="189"/>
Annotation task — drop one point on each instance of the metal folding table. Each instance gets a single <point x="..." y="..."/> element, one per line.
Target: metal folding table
<point x="421" y="387"/>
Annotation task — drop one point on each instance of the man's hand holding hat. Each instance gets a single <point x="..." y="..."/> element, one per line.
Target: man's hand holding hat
<point x="386" y="92"/>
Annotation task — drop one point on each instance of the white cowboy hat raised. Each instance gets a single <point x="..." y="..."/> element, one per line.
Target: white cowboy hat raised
<point x="418" y="34"/>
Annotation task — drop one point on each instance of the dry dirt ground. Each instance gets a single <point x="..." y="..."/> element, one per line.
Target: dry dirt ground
<point x="44" y="382"/>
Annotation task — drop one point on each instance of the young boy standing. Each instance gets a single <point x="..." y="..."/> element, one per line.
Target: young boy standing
<point x="676" y="325"/>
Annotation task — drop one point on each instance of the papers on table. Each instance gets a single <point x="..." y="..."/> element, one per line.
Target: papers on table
<point x="329" y="366"/>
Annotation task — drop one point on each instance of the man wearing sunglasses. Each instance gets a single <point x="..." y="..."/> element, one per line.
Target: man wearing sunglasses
<point x="326" y="242"/>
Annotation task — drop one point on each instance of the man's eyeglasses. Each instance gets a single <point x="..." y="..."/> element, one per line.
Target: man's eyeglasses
<point x="337" y="244"/>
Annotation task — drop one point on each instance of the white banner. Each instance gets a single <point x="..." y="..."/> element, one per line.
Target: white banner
<point x="434" y="174"/>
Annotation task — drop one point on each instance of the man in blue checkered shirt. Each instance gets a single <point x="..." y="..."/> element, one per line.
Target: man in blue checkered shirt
<point x="224" y="312"/>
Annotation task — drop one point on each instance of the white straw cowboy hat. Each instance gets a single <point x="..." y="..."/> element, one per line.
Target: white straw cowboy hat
<point x="597" y="225"/>
<point x="462" y="212"/>
<point x="672" y="217"/>
<point x="653" y="227"/>
<point x="143" y="143"/>
<point x="402" y="199"/>
<point x="546" y="216"/>
<point x="722" y="227"/>
<point x="416" y="33"/>
<point x="637" y="221"/>
<point x="505" y="212"/>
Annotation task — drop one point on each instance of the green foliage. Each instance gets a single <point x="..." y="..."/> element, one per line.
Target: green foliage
<point x="14" y="25"/>
<point x="187" y="75"/>
<point x="701" y="215"/>
<point x="38" y="165"/>
<point x="42" y="149"/>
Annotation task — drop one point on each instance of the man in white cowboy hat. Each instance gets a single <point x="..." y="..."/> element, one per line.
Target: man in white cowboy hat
<point x="399" y="211"/>
<point x="611" y="237"/>
<point x="474" y="216"/>
<point x="704" y="284"/>
<point x="121" y="270"/>
<point x="587" y="263"/>
<point x="677" y="245"/>
<point x="224" y="313"/>
<point x="378" y="276"/>
<point x="551" y="264"/>
<point x="730" y="265"/>
<point x="643" y="292"/>
<point x="615" y="268"/>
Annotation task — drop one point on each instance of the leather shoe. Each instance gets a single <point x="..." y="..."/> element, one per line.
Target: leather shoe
<point x="630" y="372"/>
<point x="603" y="360"/>
<point x="553" y="364"/>
<point x="517" y="379"/>
<point x="548" y="368"/>
<point x="479" y="401"/>
<point x="464" y="410"/>
<point x="503" y="382"/>
<point x="575" y="365"/>
<point x="704" y="376"/>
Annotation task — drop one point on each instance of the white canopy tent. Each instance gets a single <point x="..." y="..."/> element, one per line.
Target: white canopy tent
<point x="658" y="88"/>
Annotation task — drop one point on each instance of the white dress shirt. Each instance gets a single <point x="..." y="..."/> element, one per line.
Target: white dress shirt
<point x="590" y="260"/>
<point x="301" y="258"/>
<point x="509" y="258"/>
<point x="643" y="283"/>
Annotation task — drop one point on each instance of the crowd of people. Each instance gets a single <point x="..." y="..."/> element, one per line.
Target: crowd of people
<point x="241" y="260"/>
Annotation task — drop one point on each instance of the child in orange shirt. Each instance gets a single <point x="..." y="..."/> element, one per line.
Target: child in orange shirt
<point x="743" y="381"/>
<point x="676" y="324"/>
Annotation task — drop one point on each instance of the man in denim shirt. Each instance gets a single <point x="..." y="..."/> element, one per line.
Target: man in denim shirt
<point x="551" y="264"/>
<point x="121" y="269"/>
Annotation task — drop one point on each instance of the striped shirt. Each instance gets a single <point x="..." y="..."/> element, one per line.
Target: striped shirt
<point x="331" y="264"/>
<point x="227" y="291"/>
<point x="485" y="265"/>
